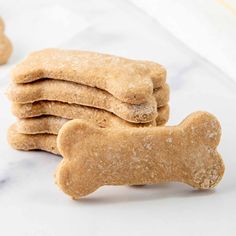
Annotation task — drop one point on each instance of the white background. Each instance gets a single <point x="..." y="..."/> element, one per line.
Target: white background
<point x="201" y="77"/>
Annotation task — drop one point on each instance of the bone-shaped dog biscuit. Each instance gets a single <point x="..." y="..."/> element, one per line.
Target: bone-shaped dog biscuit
<point x="52" y="124"/>
<point x="94" y="157"/>
<point x="79" y="94"/>
<point x="130" y="81"/>
<point x="45" y="142"/>
<point x="40" y="132"/>
<point x="74" y="93"/>
<point x="72" y="111"/>
<point x="47" y="89"/>
<point x="5" y="45"/>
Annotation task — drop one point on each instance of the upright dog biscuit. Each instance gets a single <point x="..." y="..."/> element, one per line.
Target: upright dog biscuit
<point x="45" y="142"/>
<point x="130" y="81"/>
<point x="70" y="92"/>
<point x="5" y="45"/>
<point x="94" y="157"/>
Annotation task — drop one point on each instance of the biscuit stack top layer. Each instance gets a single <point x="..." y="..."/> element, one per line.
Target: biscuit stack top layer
<point x="128" y="80"/>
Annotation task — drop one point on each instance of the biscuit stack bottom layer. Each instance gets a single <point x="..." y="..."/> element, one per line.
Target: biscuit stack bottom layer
<point x="44" y="105"/>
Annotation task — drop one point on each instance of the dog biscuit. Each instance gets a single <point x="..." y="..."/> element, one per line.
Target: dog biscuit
<point x="2" y="25"/>
<point x="72" y="111"/>
<point x="45" y="142"/>
<point x="163" y="115"/>
<point x="52" y="124"/>
<point x="41" y="132"/>
<point x="5" y="45"/>
<point x="130" y="81"/>
<point x="70" y="92"/>
<point x="40" y="125"/>
<point x="94" y="157"/>
<point x="24" y="134"/>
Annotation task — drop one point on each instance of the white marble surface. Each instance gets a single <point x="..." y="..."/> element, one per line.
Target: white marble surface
<point x="30" y="202"/>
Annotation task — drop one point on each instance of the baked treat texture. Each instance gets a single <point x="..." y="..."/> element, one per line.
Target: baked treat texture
<point x="26" y="142"/>
<point x="130" y="81"/>
<point x="94" y="157"/>
<point x="52" y="124"/>
<point x="40" y="125"/>
<point x="72" y="111"/>
<point x="70" y="92"/>
<point x="5" y="44"/>
<point x="2" y="25"/>
<point x="41" y="132"/>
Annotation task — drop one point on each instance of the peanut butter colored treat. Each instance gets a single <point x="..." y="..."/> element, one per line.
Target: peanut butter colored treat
<point x="45" y="142"/>
<point x="94" y="157"/>
<point x="24" y="135"/>
<point x="52" y="124"/>
<point x="72" y="111"/>
<point x="2" y="25"/>
<point x="70" y="92"/>
<point x="130" y="81"/>
<point x="5" y="45"/>
<point x="40" y="125"/>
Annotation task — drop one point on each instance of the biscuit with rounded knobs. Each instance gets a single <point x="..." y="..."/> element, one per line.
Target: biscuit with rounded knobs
<point x="94" y="157"/>
<point x="69" y="92"/>
<point x="130" y="81"/>
<point x="40" y="133"/>
<point x="52" y="124"/>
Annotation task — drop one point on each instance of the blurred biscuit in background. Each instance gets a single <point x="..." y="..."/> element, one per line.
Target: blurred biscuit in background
<point x="5" y="45"/>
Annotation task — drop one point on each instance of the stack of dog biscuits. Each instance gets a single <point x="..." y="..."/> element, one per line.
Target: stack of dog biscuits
<point x="52" y="86"/>
<point x="5" y="44"/>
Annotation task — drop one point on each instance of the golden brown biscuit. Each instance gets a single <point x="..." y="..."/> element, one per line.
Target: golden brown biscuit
<point x="5" y="49"/>
<point x="2" y="25"/>
<point x="52" y="124"/>
<point x="40" y="133"/>
<point x="21" y="135"/>
<point x="94" y="157"/>
<point x="40" y="125"/>
<point x="45" y="142"/>
<point x="72" y="111"/>
<point x="70" y="92"/>
<point x="163" y="115"/>
<point x="5" y="45"/>
<point x="130" y="81"/>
